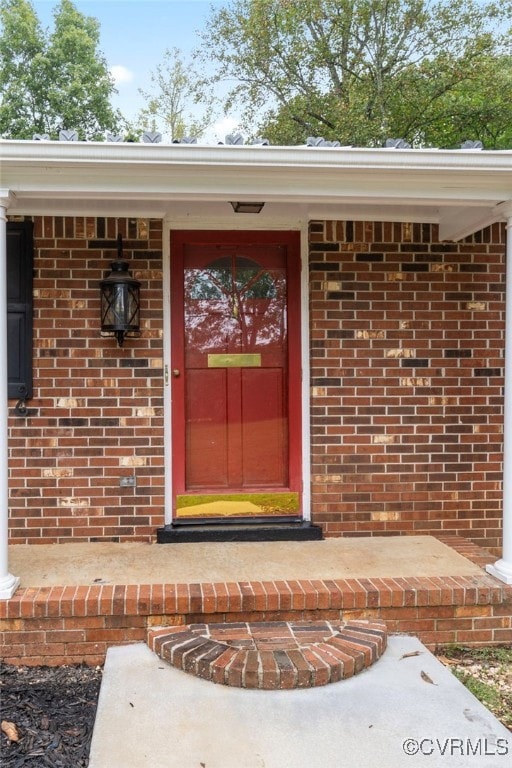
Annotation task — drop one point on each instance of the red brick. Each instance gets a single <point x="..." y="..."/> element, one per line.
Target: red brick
<point x="234" y="670"/>
<point x="221" y="597"/>
<point x="208" y="599"/>
<point x="269" y="671"/>
<point x="219" y="669"/>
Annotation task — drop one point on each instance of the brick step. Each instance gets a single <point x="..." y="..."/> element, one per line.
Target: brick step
<point x="271" y="655"/>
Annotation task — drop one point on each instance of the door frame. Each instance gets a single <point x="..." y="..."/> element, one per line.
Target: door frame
<point x="178" y="238"/>
<point x="194" y="219"/>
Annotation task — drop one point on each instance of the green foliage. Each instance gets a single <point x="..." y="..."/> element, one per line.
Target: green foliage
<point x="175" y="90"/>
<point x="49" y="82"/>
<point x="492" y="654"/>
<point x="23" y="67"/>
<point x="486" y="672"/>
<point x="485" y="693"/>
<point x="363" y="70"/>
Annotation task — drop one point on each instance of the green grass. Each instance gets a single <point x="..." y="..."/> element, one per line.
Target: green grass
<point x="491" y="654"/>
<point x="485" y="693"/>
<point x="487" y="674"/>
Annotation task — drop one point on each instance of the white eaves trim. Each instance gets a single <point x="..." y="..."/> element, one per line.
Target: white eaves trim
<point x="133" y="153"/>
<point x="459" y="189"/>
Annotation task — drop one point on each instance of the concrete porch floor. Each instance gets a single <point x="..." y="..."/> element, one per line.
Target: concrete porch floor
<point x="76" y="601"/>
<point x="142" y="563"/>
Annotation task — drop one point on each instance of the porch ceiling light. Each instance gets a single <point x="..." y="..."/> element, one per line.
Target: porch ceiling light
<point x="120" y="300"/>
<point x="247" y="207"/>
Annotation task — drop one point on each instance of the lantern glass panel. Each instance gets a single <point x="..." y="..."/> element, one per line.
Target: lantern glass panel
<point x="120" y="309"/>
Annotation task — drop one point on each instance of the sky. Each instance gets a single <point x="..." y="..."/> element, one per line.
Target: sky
<point x="134" y="35"/>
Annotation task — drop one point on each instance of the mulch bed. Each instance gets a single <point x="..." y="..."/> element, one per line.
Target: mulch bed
<point x="53" y="711"/>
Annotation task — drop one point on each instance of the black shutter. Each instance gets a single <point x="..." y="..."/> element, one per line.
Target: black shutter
<point x="20" y="259"/>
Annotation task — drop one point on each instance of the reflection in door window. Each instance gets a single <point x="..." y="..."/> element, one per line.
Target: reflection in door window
<point x="233" y="302"/>
<point x="228" y="277"/>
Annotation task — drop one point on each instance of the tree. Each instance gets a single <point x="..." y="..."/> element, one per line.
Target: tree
<point x="51" y="82"/>
<point x="176" y="90"/>
<point x="363" y="70"/>
<point x="479" y="107"/>
<point x="23" y="65"/>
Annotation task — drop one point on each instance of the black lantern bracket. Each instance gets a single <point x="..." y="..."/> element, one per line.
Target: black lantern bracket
<point x="120" y="300"/>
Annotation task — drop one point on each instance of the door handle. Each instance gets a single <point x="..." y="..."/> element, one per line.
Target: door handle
<point x="176" y="372"/>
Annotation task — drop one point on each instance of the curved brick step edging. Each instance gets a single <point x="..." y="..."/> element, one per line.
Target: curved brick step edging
<point x="271" y="655"/>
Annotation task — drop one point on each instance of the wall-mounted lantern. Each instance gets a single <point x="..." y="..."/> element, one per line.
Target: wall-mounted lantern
<point x="120" y="300"/>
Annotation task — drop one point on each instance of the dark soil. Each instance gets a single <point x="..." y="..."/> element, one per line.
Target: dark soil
<point x="53" y="711"/>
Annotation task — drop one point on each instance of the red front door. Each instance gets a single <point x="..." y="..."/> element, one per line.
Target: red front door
<point x="236" y="374"/>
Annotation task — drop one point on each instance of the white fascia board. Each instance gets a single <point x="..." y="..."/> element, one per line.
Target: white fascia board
<point x="150" y="180"/>
<point x="186" y="154"/>
<point x="192" y="169"/>
<point x="327" y="185"/>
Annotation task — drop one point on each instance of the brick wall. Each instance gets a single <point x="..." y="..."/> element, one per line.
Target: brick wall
<point x="97" y="411"/>
<point x="407" y="378"/>
<point x="406" y="366"/>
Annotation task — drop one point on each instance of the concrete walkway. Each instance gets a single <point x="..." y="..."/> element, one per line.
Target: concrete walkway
<point x="151" y="715"/>
<point x="139" y="563"/>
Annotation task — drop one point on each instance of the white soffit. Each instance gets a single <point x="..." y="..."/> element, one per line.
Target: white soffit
<point x="459" y="189"/>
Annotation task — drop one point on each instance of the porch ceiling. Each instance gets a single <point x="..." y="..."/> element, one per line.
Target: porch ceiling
<point x="461" y="190"/>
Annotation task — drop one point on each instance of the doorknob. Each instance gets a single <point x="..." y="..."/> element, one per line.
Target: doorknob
<point x="175" y="372"/>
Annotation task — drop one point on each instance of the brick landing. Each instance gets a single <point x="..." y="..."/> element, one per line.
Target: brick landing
<point x="73" y="624"/>
<point x="272" y="655"/>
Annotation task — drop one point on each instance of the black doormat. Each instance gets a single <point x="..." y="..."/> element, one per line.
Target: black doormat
<point x="175" y="534"/>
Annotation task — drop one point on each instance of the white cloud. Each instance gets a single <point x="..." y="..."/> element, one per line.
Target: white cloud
<point x="220" y="129"/>
<point x="121" y="74"/>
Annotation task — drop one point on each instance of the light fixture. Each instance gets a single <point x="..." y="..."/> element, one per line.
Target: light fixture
<point x="247" y="207"/>
<point x="120" y="300"/>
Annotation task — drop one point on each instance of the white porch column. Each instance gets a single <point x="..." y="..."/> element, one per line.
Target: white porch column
<point x="8" y="582"/>
<point x="502" y="569"/>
